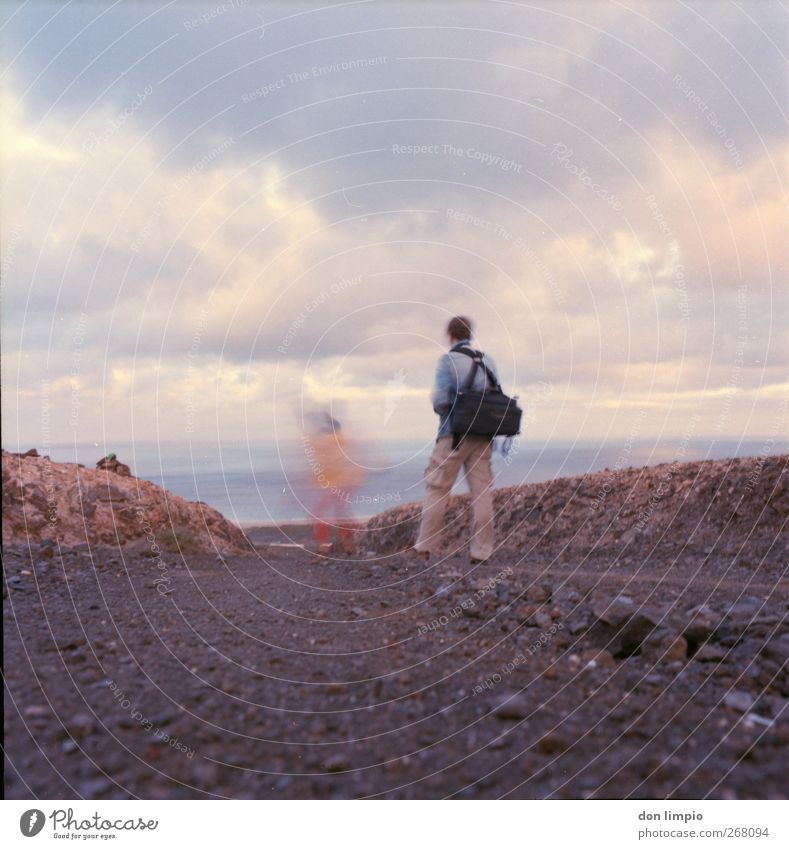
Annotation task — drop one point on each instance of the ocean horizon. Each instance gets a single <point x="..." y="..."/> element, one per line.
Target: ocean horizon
<point x="260" y="483"/>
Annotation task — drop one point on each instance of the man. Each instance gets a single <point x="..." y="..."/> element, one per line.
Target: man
<point x="473" y="453"/>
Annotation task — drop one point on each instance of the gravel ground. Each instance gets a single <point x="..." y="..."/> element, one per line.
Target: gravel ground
<point x="291" y="675"/>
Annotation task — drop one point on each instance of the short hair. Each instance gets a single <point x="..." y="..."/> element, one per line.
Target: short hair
<point x="459" y="327"/>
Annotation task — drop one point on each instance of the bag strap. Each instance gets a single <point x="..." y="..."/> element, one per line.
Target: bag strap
<point x="477" y="357"/>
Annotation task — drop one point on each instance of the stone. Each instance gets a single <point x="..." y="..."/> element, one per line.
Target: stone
<point x="698" y="624"/>
<point x="537" y="593"/>
<point x="664" y="645"/>
<point x="553" y="743"/>
<point x="738" y="700"/>
<point x="80" y="725"/>
<point x="746" y="608"/>
<point x="626" y="639"/>
<point x="94" y="787"/>
<point x="513" y="706"/>
<point x="709" y="653"/>
<point x="777" y="649"/>
<point x="543" y="620"/>
<point x="594" y="658"/>
<point x="336" y="763"/>
<point x="614" y="612"/>
<point x="104" y="509"/>
<point x="676" y="649"/>
<point x="566" y="595"/>
<point x="578" y="624"/>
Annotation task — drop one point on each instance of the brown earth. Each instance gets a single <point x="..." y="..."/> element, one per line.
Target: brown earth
<point x="734" y="503"/>
<point x="582" y="661"/>
<point x="69" y="504"/>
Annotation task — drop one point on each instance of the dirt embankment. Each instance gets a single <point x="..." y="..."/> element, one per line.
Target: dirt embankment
<point x="73" y="505"/>
<point x="737" y="502"/>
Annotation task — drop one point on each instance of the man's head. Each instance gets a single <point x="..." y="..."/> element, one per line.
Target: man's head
<point x="459" y="329"/>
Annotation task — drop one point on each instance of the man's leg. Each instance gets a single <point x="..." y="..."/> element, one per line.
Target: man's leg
<point x="478" y="473"/>
<point x="440" y="474"/>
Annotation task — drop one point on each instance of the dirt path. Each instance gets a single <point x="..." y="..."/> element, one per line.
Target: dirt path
<point x="292" y="676"/>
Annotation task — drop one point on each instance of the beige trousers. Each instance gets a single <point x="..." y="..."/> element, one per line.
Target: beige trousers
<point x="474" y="454"/>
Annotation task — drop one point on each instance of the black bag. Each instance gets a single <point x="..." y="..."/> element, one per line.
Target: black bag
<point x="487" y="413"/>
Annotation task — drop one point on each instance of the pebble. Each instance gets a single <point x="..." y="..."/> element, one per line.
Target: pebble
<point x="93" y="787"/>
<point x="738" y="700"/>
<point x="513" y="706"/>
<point x="553" y="743"/>
<point x="614" y="611"/>
<point x="709" y="653"/>
<point x="536" y="593"/>
<point x="336" y="763"/>
<point x="80" y="725"/>
<point x="543" y="620"/>
<point x="594" y="658"/>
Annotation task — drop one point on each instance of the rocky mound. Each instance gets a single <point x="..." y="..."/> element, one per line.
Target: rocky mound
<point x="68" y="503"/>
<point x="722" y="503"/>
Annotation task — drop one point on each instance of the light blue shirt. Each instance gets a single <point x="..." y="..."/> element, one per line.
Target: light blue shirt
<point x="452" y="372"/>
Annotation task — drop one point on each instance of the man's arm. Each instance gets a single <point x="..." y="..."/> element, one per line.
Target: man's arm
<point x="445" y="386"/>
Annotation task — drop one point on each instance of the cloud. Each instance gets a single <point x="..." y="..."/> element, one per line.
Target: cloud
<point x="184" y="242"/>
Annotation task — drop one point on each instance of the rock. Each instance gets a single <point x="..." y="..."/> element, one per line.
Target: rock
<point x="697" y="625"/>
<point x="614" y="612"/>
<point x="543" y="620"/>
<point x="779" y="707"/>
<point x="94" y="787"/>
<point x="710" y="653"/>
<point x="755" y="719"/>
<point x="513" y="706"/>
<point x="553" y="743"/>
<point x="96" y="508"/>
<point x="336" y="763"/>
<point x="537" y="593"/>
<point x="594" y="658"/>
<point x="69" y="643"/>
<point x="578" y="624"/>
<point x="777" y="649"/>
<point x="80" y="725"/>
<point x="566" y="595"/>
<point x="664" y="646"/>
<point x="738" y="700"/>
<point x="746" y="608"/>
<point x="626" y="638"/>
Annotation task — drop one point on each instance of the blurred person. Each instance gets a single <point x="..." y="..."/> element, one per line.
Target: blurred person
<point x="335" y="479"/>
<point x="471" y="452"/>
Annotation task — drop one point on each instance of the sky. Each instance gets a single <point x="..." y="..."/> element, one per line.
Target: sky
<point x="219" y="216"/>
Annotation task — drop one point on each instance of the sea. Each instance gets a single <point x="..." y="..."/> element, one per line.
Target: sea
<point x="256" y="484"/>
